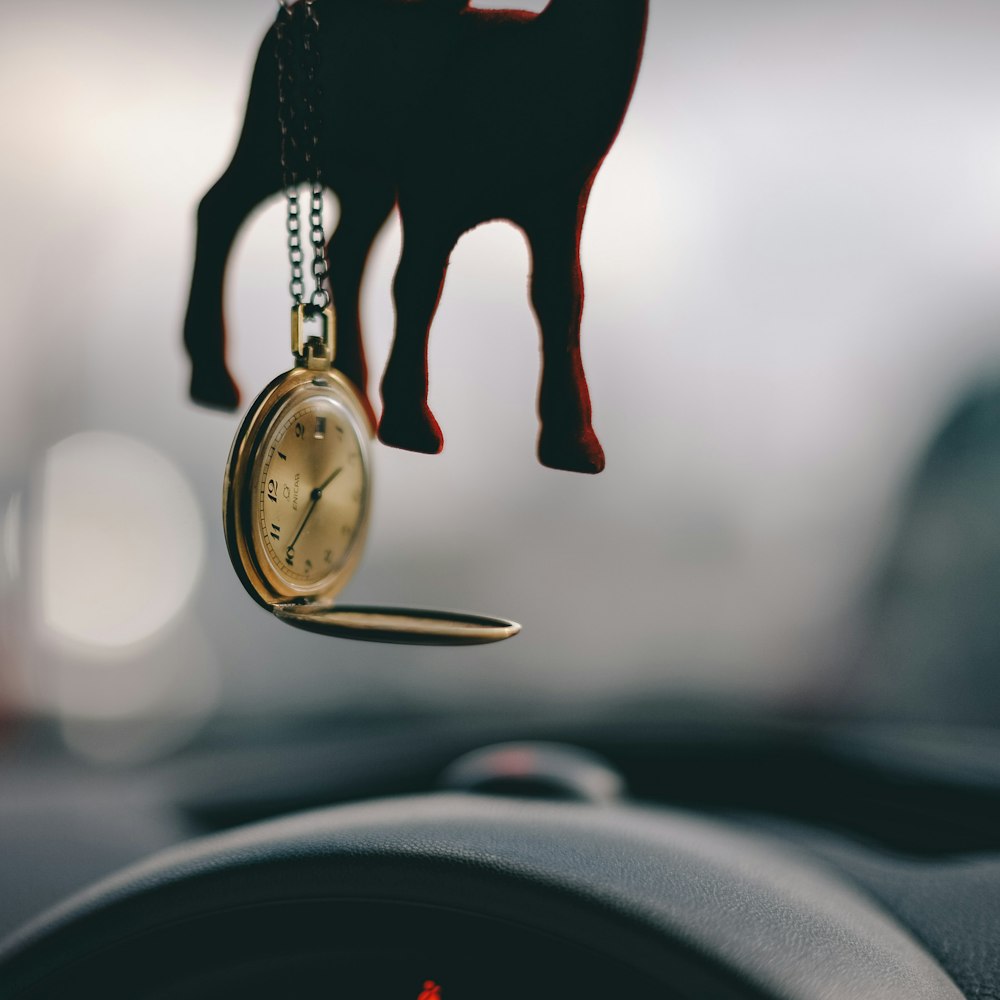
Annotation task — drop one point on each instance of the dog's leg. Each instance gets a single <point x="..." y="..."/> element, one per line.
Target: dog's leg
<point x="220" y="215"/>
<point x="253" y="175"/>
<point x="407" y="421"/>
<point x="363" y="210"/>
<point x="567" y="440"/>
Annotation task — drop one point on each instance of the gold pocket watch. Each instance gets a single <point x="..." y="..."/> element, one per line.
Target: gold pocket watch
<point x="296" y="505"/>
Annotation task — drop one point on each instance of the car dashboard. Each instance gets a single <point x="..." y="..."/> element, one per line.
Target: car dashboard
<point x="733" y="859"/>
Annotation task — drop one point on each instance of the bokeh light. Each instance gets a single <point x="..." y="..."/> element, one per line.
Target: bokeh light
<point x="121" y="541"/>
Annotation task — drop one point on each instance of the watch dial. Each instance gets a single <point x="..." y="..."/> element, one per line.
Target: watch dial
<point x="311" y="493"/>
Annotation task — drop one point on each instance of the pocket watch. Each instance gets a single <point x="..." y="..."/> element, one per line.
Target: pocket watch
<point x="297" y="498"/>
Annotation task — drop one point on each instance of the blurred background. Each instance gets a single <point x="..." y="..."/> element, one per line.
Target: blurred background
<point x="792" y="336"/>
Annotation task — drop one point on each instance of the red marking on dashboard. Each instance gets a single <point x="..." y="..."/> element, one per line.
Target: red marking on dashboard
<point x="514" y="763"/>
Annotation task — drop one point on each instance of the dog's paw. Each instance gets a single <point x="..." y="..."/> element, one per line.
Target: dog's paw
<point x="580" y="452"/>
<point x="415" y="431"/>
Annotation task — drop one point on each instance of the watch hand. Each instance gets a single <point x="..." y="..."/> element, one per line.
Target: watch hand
<point x="315" y="497"/>
<point x="318" y="492"/>
<point x="302" y="526"/>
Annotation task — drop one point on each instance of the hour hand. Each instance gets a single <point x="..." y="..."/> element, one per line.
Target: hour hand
<point x="317" y="494"/>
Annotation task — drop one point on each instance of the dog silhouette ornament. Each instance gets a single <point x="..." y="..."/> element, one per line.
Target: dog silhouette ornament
<point x="456" y="116"/>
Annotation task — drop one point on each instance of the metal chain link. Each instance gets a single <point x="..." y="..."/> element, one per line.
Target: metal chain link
<point x="299" y="95"/>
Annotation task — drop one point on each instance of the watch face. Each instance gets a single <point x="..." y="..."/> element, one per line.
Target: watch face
<point x="310" y="493"/>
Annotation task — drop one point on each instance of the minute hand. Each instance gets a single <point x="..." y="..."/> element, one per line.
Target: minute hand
<point x="315" y="497"/>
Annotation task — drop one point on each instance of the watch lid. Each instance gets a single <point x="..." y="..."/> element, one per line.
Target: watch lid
<point x="409" y="626"/>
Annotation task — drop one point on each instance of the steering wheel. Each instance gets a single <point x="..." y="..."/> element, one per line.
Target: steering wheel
<point x="461" y="896"/>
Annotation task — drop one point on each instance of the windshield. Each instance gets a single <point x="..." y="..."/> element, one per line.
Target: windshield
<point x="792" y="337"/>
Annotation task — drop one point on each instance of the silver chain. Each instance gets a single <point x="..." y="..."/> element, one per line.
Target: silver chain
<point x="298" y="95"/>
